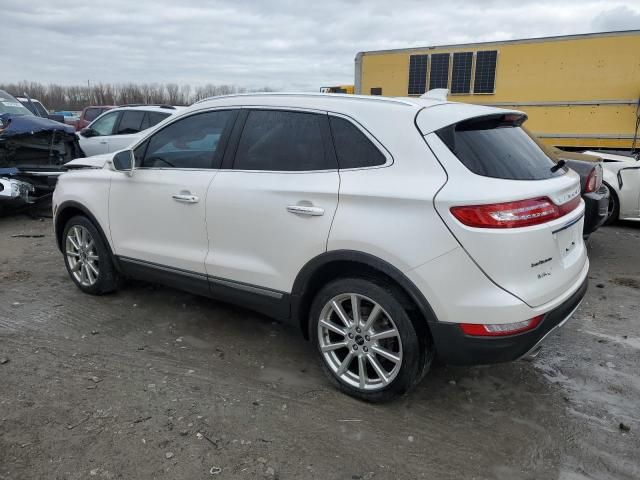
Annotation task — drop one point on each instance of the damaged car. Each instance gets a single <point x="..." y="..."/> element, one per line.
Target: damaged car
<point x="33" y="151"/>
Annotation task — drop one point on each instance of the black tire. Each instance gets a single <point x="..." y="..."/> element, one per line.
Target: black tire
<point x="417" y="353"/>
<point x="107" y="279"/>
<point x="614" y="207"/>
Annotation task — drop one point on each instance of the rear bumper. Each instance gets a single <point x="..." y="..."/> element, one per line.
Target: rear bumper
<point x="596" y="207"/>
<point x="455" y="348"/>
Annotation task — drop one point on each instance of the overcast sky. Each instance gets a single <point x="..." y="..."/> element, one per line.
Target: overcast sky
<point x="286" y="45"/>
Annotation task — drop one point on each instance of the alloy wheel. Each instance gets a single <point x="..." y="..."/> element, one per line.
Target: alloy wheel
<point x="82" y="256"/>
<point x="359" y="342"/>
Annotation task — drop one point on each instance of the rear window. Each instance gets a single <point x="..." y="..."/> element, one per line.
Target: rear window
<point x="498" y="147"/>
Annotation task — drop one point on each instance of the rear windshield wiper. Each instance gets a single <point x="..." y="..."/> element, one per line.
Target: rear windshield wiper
<point x="558" y="166"/>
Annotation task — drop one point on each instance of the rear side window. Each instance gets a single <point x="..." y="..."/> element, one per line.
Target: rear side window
<point x="92" y="113"/>
<point x="353" y="148"/>
<point x="130" y="122"/>
<point x="153" y="118"/>
<point x="277" y="140"/>
<point x="497" y="147"/>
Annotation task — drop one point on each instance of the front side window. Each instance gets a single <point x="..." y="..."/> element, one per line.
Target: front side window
<point x="130" y="122"/>
<point x="353" y="148"/>
<point x="192" y="142"/>
<point x="104" y="125"/>
<point x="277" y="140"/>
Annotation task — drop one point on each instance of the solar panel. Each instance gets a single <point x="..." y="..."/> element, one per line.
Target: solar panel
<point x="485" y="79"/>
<point x="418" y="74"/>
<point x="461" y="72"/>
<point x="439" y="76"/>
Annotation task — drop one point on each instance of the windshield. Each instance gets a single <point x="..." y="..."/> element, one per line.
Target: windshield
<point x="9" y="104"/>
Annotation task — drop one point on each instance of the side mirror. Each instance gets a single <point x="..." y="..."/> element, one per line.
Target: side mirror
<point x="88" y="132"/>
<point x="124" y="161"/>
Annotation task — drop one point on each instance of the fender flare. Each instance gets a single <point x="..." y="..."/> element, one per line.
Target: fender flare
<point x="59" y="225"/>
<point x="300" y="290"/>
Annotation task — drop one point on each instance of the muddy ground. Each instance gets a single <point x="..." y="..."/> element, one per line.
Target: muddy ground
<point x="151" y="382"/>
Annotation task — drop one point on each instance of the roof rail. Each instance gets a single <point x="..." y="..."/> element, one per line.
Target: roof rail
<point x="161" y="105"/>
<point x="366" y="98"/>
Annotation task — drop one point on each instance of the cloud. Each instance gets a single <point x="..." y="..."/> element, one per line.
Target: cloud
<point x="278" y="43"/>
<point x="619" y="18"/>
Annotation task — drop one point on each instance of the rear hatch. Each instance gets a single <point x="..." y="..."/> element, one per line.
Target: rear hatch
<point x="517" y="213"/>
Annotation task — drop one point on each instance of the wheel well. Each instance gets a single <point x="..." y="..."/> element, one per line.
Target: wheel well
<point x="349" y="269"/>
<point x="65" y="213"/>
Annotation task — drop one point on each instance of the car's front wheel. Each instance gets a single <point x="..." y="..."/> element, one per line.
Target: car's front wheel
<point x="87" y="258"/>
<point x="367" y="342"/>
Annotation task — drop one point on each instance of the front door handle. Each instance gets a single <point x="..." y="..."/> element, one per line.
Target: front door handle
<point x="306" y="210"/>
<point x="186" y="198"/>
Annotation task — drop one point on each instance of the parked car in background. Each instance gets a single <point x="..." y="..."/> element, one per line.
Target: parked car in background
<point x="38" y="109"/>
<point x="33" y="151"/>
<point x="120" y="127"/>
<point x="594" y="193"/>
<point x="89" y="114"/>
<point x="622" y="177"/>
<point x="390" y="231"/>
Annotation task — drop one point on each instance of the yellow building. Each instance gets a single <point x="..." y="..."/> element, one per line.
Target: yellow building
<point x="579" y="91"/>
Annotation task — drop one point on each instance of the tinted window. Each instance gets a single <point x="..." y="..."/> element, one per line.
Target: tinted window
<point x="153" y="118"/>
<point x="192" y="142"/>
<point x="104" y="125"/>
<point x="353" y="148"/>
<point x="91" y="114"/>
<point x="41" y="110"/>
<point x="495" y="147"/>
<point x="281" y="141"/>
<point x="130" y="122"/>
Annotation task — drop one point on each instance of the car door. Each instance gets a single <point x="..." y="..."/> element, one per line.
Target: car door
<point x="157" y="215"/>
<point x="101" y="129"/>
<point x="271" y="212"/>
<point x="629" y="174"/>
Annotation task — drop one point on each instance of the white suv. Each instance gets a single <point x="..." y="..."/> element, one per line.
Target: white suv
<point x="120" y="127"/>
<point x="391" y="231"/>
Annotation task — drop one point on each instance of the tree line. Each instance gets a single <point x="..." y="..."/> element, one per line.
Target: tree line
<point x="76" y="97"/>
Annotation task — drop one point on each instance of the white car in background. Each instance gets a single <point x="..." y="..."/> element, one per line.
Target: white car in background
<point x="120" y="127"/>
<point x="622" y="177"/>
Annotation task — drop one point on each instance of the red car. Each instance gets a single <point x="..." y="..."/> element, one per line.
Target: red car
<point x="89" y="114"/>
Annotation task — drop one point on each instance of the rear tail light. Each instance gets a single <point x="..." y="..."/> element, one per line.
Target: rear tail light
<point x="594" y="180"/>
<point x="500" y="329"/>
<point x="521" y="213"/>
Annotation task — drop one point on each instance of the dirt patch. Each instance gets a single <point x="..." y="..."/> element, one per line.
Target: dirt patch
<point x="627" y="282"/>
<point x="15" y="276"/>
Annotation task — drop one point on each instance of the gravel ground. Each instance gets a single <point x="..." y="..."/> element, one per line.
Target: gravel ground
<point x="151" y="382"/>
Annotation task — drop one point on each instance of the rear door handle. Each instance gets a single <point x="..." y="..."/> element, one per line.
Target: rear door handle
<point x="306" y="210"/>
<point x="186" y="198"/>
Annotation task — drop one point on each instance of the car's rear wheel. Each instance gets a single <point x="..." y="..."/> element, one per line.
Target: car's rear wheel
<point x="367" y="342"/>
<point x="87" y="258"/>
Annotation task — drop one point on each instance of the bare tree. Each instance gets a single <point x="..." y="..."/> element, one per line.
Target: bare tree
<point x="76" y="97"/>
